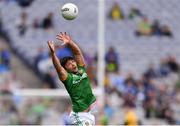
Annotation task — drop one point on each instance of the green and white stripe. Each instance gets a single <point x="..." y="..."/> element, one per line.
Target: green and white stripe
<point x="79" y="123"/>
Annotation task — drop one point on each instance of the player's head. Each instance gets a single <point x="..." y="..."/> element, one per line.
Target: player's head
<point x="69" y="64"/>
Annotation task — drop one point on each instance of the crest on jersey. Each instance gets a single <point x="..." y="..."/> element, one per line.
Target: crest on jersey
<point x="80" y="71"/>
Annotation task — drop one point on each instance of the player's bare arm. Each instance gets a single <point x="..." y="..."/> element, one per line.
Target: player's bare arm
<point x="75" y="49"/>
<point x="60" y="70"/>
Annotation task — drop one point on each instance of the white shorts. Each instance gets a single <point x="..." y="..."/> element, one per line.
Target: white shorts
<point x="82" y="118"/>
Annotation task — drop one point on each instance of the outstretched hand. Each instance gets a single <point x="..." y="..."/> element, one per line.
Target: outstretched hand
<point x="51" y="46"/>
<point x="64" y="38"/>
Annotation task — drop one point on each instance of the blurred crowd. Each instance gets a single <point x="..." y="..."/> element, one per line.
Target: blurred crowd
<point x="4" y="60"/>
<point x="155" y="92"/>
<point x="18" y="110"/>
<point x="23" y="23"/>
<point x="149" y="92"/>
<point x="21" y="3"/>
<point x="8" y="77"/>
<point x="145" y="27"/>
<point x="42" y="64"/>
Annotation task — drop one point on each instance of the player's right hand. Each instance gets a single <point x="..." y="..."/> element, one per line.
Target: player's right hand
<point x="51" y="46"/>
<point x="64" y="37"/>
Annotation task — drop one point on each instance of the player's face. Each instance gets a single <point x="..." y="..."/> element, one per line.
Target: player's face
<point x="71" y="66"/>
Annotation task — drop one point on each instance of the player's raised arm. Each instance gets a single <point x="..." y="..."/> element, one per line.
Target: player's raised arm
<point x="60" y="70"/>
<point x="75" y="49"/>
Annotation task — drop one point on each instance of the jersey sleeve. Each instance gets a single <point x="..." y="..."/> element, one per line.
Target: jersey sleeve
<point x="68" y="81"/>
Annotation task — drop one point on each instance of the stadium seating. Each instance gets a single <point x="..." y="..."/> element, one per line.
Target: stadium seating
<point x="136" y="53"/>
<point x="41" y="36"/>
<point x="141" y="51"/>
<point x="119" y="33"/>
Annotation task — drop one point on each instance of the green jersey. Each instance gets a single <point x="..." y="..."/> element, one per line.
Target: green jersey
<point x="79" y="89"/>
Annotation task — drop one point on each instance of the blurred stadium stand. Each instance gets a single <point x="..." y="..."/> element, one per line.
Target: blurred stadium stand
<point x="142" y="86"/>
<point x="143" y="50"/>
<point x="27" y="40"/>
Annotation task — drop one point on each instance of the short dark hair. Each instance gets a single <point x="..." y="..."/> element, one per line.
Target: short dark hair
<point x="64" y="60"/>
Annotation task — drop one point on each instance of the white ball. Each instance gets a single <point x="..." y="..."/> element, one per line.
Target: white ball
<point x="69" y="11"/>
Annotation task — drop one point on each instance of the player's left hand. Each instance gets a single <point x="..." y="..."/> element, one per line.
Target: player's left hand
<point x="51" y="46"/>
<point x="64" y="38"/>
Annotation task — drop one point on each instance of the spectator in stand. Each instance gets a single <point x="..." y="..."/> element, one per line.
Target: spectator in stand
<point x="130" y="90"/>
<point x="156" y="28"/>
<point x="116" y="12"/>
<point x="40" y="56"/>
<point x="35" y="29"/>
<point x="169" y="116"/>
<point x="149" y="84"/>
<point x="22" y="24"/>
<point x="130" y="116"/>
<point x="4" y="60"/>
<point x="144" y="27"/>
<point x="165" y="31"/>
<point x="112" y="59"/>
<point x="163" y="99"/>
<point x="164" y="109"/>
<point x="45" y="65"/>
<point x="36" y="24"/>
<point x="140" y="96"/>
<point x="159" y="30"/>
<point x="116" y="83"/>
<point x="129" y="99"/>
<point x="102" y="118"/>
<point x="47" y="22"/>
<point x="130" y="87"/>
<point x="109" y="111"/>
<point x="173" y="64"/>
<point x="8" y="110"/>
<point x="151" y="72"/>
<point x="5" y="57"/>
<point x="164" y="70"/>
<point x="50" y="79"/>
<point x="151" y="108"/>
<point x="150" y="103"/>
<point x="134" y="12"/>
<point x="130" y="78"/>
<point x="24" y="3"/>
